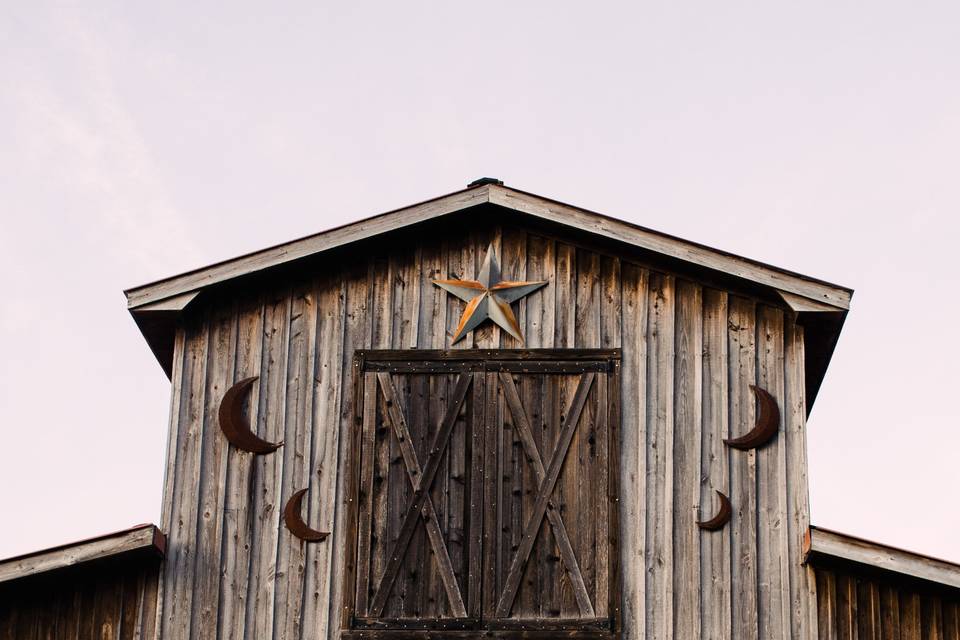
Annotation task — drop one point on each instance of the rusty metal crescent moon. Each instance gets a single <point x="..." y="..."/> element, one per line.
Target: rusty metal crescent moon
<point x="768" y="423"/>
<point x="723" y="516"/>
<point x="294" y="520"/>
<point x="235" y="427"/>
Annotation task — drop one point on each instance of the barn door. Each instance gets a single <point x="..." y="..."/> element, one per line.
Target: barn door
<point x="548" y="519"/>
<point x="416" y="487"/>
<point x="485" y="493"/>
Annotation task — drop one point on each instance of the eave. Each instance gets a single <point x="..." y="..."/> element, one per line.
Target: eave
<point x="822" y="545"/>
<point x="155" y="306"/>
<point x="140" y="539"/>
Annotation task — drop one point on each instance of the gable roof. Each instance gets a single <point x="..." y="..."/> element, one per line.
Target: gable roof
<point x="825" y="545"/>
<point x="144" y="538"/>
<point x="155" y="305"/>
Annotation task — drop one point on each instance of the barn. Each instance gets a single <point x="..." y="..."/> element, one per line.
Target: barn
<point x="489" y="414"/>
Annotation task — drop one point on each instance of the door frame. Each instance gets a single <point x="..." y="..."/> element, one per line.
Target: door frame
<point x="479" y="361"/>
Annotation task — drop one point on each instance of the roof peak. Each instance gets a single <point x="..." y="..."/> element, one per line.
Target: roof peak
<point x="479" y="182"/>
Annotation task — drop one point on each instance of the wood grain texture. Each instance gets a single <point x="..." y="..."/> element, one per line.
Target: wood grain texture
<point x="221" y="354"/>
<point x="689" y="354"/>
<point x="180" y="559"/>
<point x="633" y="458"/>
<point x="659" y="450"/>
<point x="687" y="443"/>
<point x="741" y="336"/>
<point x="113" y="598"/>
<point x="855" y="602"/>
<point x="238" y="522"/>
<point x="715" y="548"/>
<point x="299" y="432"/>
<point x="803" y="613"/>
<point x="575" y="218"/>
<point x="326" y="384"/>
<point x="773" y="570"/>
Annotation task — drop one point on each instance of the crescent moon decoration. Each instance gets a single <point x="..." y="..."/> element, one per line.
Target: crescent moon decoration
<point x="723" y="516"/>
<point x="294" y="520"/>
<point x="768" y="423"/>
<point x="235" y="427"/>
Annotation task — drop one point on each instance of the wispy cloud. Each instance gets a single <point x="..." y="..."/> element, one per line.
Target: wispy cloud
<point x="84" y="140"/>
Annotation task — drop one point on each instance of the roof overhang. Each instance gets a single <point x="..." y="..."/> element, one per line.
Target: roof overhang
<point x="822" y="545"/>
<point x="142" y="539"/>
<point x="820" y="305"/>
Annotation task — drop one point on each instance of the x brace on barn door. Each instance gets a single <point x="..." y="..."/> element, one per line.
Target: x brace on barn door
<point x="508" y="492"/>
<point x="543" y="504"/>
<point x="421" y="504"/>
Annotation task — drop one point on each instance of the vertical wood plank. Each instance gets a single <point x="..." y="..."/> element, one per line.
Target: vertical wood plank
<point x="541" y="304"/>
<point x="931" y="627"/>
<point x="147" y="606"/>
<point x="297" y="456"/>
<point x="687" y="428"/>
<point x="659" y="485"/>
<point x="601" y="500"/>
<point x="909" y="616"/>
<point x="238" y="517"/>
<point x="583" y="448"/>
<point x="951" y="620"/>
<point x="743" y="468"/>
<point x="890" y="613"/>
<point x="433" y="299"/>
<point x="357" y="333"/>
<point x="847" y="607"/>
<point x="565" y="313"/>
<point x="381" y="309"/>
<point x="608" y="443"/>
<point x="405" y="272"/>
<point x="431" y="335"/>
<point x="181" y="547"/>
<point x="476" y="532"/>
<point x="219" y="377"/>
<point x="827" y="605"/>
<point x="633" y="460"/>
<point x="490" y="583"/>
<point x="868" y="610"/>
<point x="460" y="259"/>
<point x="514" y="267"/>
<point x="802" y="602"/>
<point x="268" y="469"/>
<point x="326" y="391"/>
<point x="170" y="469"/>
<point x="773" y="566"/>
<point x="540" y="316"/>
<point x="365" y="581"/>
<point x="715" y="573"/>
<point x="565" y="337"/>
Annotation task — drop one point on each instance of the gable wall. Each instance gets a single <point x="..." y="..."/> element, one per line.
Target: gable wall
<point x="855" y="601"/>
<point x="106" y="598"/>
<point x="690" y="353"/>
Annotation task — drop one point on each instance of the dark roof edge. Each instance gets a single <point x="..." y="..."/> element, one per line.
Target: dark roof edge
<point x="576" y="217"/>
<point x="820" y="305"/>
<point x="691" y="243"/>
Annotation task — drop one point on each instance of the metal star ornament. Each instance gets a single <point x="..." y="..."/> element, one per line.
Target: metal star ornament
<point x="488" y="297"/>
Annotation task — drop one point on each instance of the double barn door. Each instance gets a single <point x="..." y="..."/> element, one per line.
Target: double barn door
<point x="485" y="486"/>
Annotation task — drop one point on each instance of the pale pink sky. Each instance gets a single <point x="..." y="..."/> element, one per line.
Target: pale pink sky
<point x="140" y="141"/>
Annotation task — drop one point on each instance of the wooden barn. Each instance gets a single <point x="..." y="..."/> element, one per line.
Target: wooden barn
<point x="490" y="414"/>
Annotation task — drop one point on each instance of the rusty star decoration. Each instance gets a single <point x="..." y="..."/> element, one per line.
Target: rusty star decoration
<point x="489" y="297"/>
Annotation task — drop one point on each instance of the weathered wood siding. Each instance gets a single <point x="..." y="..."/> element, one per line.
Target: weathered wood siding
<point x="113" y="599"/>
<point x="690" y="352"/>
<point x="858" y="603"/>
